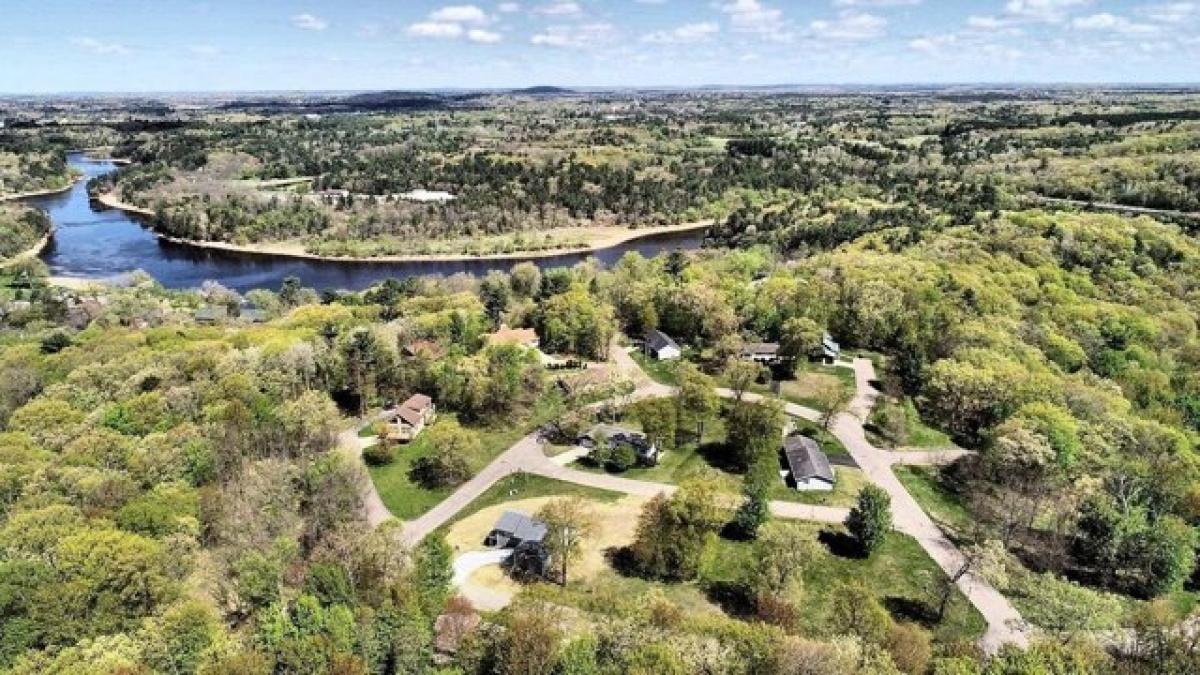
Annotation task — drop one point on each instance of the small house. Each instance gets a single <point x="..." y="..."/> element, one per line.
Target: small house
<point x="761" y="352"/>
<point x="211" y="314"/>
<point x="830" y="351"/>
<point x="661" y="347"/>
<point x="808" y="467"/>
<point x="515" y="528"/>
<point x="647" y="451"/>
<point x="410" y="418"/>
<point x="526" y="337"/>
<point x="251" y="314"/>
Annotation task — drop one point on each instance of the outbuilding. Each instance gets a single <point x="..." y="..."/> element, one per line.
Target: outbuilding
<point x="660" y="346"/>
<point x="808" y="467"/>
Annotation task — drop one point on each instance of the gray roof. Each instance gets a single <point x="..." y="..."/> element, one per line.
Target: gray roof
<point x="658" y="340"/>
<point x="760" y="348"/>
<point x="211" y="313"/>
<point x="520" y="526"/>
<point x="806" y="459"/>
<point x="828" y="344"/>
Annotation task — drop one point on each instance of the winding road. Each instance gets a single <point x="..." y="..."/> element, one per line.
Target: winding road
<point x="1005" y="625"/>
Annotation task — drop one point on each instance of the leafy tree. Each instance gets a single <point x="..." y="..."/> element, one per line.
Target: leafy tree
<point x="856" y="611"/>
<point x="697" y="396"/>
<point x="673" y="533"/>
<point x="754" y="432"/>
<point x="870" y="521"/>
<point x="659" y="420"/>
<point x="569" y="523"/>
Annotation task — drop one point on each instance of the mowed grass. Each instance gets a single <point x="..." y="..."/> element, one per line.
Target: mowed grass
<point x="900" y="574"/>
<point x="811" y="380"/>
<point x="943" y="506"/>
<point x="528" y="486"/>
<point x="920" y="434"/>
<point x="662" y="372"/>
<point x="406" y="499"/>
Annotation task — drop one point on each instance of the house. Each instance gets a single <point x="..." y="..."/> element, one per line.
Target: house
<point x="211" y="314"/>
<point x="410" y="418"/>
<point x="515" y="528"/>
<point x="526" y="337"/>
<point x="808" y="467"/>
<point x="660" y="346"/>
<point x="529" y="560"/>
<point x="647" y="451"/>
<point x="761" y="352"/>
<point x="250" y="314"/>
<point x="830" y="351"/>
<point x="428" y="196"/>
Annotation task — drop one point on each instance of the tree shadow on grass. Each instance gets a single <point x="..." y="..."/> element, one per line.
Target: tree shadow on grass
<point x="717" y="456"/>
<point x="733" y="598"/>
<point x="621" y="559"/>
<point x="840" y="544"/>
<point x="910" y="609"/>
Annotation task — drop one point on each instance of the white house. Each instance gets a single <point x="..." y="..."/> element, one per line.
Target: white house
<point x="660" y="346"/>
<point x="808" y="466"/>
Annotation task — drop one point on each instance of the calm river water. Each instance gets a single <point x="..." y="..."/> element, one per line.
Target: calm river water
<point x="101" y="244"/>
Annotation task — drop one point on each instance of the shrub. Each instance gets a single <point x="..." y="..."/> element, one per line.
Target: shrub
<point x="379" y="454"/>
<point x="440" y="470"/>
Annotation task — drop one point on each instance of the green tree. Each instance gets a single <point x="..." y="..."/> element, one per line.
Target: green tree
<point x="697" y="396"/>
<point x="754" y="432"/>
<point x="870" y="521"/>
<point x="569" y="523"/>
<point x="673" y="533"/>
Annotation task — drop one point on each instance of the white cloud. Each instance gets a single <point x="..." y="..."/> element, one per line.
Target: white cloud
<point x="1171" y="12"/>
<point x="509" y="7"/>
<point x="456" y="21"/>
<point x="849" y="26"/>
<point x="753" y="16"/>
<point x="435" y="29"/>
<point x="560" y="9"/>
<point x="483" y="37"/>
<point x="876" y="3"/>
<point x="1048" y="11"/>
<point x="574" y="37"/>
<point x="309" y="22"/>
<point x="102" y="48"/>
<point x="688" y="33"/>
<point x="459" y="14"/>
<point x="1113" y="24"/>
<point x="933" y="44"/>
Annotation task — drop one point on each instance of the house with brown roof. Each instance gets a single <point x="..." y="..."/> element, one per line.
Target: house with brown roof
<point x="526" y="337"/>
<point x="409" y="419"/>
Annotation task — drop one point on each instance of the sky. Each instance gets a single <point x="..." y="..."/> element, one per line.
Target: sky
<point x="255" y="45"/>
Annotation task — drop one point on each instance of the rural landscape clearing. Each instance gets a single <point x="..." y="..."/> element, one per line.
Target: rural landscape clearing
<point x="595" y="337"/>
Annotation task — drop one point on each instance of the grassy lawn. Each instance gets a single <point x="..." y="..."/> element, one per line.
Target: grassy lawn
<point x="899" y="574"/>
<point x="944" y="507"/>
<point x="406" y="499"/>
<point x="662" y="372"/>
<point x="921" y="435"/>
<point x="811" y="379"/>
<point x="527" y="486"/>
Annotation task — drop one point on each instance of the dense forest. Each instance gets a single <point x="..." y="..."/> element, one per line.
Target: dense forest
<point x="180" y="494"/>
<point x="20" y="229"/>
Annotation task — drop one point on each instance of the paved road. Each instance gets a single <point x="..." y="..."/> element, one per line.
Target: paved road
<point x="1004" y="623"/>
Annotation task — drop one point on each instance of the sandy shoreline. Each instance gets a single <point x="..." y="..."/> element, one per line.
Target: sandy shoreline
<point x="608" y="240"/>
<point x="39" y="193"/>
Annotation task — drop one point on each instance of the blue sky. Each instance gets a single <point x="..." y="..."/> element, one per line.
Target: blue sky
<point x="201" y="45"/>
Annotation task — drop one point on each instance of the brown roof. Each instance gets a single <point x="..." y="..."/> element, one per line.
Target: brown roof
<point x="514" y="336"/>
<point x="417" y="402"/>
<point x="412" y="417"/>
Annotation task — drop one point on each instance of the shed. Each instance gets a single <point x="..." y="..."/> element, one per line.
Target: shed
<point x="808" y="465"/>
<point x="660" y="346"/>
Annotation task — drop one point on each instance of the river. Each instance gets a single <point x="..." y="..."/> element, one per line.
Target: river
<point x="91" y="242"/>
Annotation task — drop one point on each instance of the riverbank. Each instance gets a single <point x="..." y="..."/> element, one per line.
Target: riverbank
<point x="31" y="252"/>
<point x="600" y="239"/>
<point x="40" y="193"/>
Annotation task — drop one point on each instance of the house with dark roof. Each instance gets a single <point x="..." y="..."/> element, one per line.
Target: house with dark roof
<point x="515" y="528"/>
<point x="808" y="467"/>
<point x="409" y="419"/>
<point x="761" y="352"/>
<point x="211" y="314"/>
<point x="661" y="347"/>
<point x="647" y="451"/>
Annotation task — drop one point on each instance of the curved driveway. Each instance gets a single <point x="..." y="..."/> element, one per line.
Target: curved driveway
<point x="1005" y="625"/>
